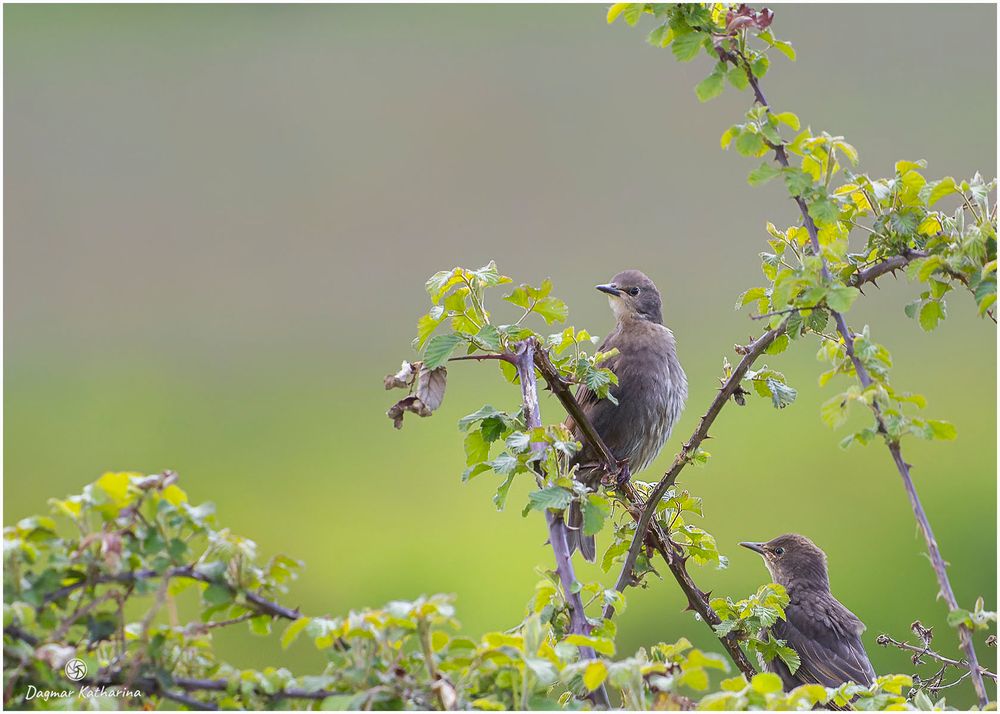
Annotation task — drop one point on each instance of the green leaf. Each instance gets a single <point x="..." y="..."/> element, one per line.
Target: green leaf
<point x="711" y="86"/>
<point x="789" y="119"/>
<point x="766" y="683"/>
<point x="595" y="674"/>
<point x="553" y="497"/>
<point x="779" y="345"/>
<point x="797" y="181"/>
<point x="749" y="296"/>
<point x="931" y="313"/>
<point x="834" y="411"/>
<point x="599" y="644"/>
<point x="944" y="187"/>
<point x="632" y="12"/>
<point x="958" y="617"/>
<point x="738" y="78"/>
<point x="427" y="324"/>
<point x="595" y="510"/>
<point x="552" y="309"/>
<point x="217" y="594"/>
<point x="749" y="143"/>
<point x="660" y="36"/>
<point x="292" y="632"/>
<point x="615" y="10"/>
<point x="686" y="45"/>
<point x="260" y="625"/>
<point x="488" y="338"/>
<point x="790" y="657"/>
<point x="943" y="430"/>
<point x="841" y="297"/>
<point x="760" y="66"/>
<point x="477" y="449"/>
<point x="781" y="394"/>
<point x="823" y="210"/>
<point x="439" y="349"/>
<point x="763" y="173"/>
<point x="500" y="497"/>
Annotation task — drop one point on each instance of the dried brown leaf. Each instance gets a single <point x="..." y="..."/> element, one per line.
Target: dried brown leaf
<point x="430" y="386"/>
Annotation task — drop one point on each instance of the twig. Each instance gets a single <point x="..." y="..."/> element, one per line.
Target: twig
<point x="261" y="604"/>
<point x="481" y="358"/>
<point x="965" y="635"/>
<point x="887" y="641"/>
<point x="786" y="311"/>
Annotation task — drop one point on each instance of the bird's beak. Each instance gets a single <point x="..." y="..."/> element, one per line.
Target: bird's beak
<point x="610" y="289"/>
<point x="755" y="547"/>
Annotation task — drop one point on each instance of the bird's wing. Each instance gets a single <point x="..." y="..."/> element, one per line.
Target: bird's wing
<point x="827" y="637"/>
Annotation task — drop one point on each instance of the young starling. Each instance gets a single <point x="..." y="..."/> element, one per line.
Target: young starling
<point x="826" y="635"/>
<point x="650" y="393"/>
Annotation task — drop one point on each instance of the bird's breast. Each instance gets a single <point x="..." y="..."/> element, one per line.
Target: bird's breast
<point x="651" y="392"/>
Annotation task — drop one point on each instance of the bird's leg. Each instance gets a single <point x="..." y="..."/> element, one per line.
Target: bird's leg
<point x="624" y="473"/>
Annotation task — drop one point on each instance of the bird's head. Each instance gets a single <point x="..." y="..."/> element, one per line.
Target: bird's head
<point x="793" y="561"/>
<point x="633" y="295"/>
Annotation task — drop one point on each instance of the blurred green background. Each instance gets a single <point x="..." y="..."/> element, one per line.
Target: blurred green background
<point x="219" y="220"/>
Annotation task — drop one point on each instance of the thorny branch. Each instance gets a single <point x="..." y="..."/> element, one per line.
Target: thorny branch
<point x="524" y="360"/>
<point x="965" y="635"/>
<point x="925" y="651"/>
<point x="256" y="601"/>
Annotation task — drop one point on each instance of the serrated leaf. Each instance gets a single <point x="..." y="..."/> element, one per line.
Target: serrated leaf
<point x="439" y="349"/>
<point x="841" y="297"/>
<point x="599" y="644"/>
<point x="711" y="86"/>
<point x="943" y="430"/>
<point x="552" y="309"/>
<point x="595" y="510"/>
<point x="292" y="632"/>
<point x="686" y="45"/>
<point x="944" y="187"/>
<point x="781" y="394"/>
<point x="931" y="313"/>
<point x="823" y="210"/>
<point x="749" y="143"/>
<point x="763" y="173"/>
<point x="553" y="497"/>
<point x="789" y="119"/>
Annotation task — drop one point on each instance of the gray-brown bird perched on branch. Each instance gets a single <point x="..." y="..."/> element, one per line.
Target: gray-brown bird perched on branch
<point x="650" y="393"/>
<point x="824" y="633"/>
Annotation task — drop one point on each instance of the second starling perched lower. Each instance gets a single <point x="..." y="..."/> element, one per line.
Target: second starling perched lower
<point x="824" y="633"/>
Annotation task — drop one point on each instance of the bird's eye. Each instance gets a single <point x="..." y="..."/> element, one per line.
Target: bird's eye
<point x="779" y="551"/>
<point x="633" y="291"/>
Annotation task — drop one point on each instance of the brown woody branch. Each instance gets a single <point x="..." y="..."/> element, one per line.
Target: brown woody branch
<point x="524" y="360"/>
<point x="965" y="635"/>
<point x="257" y="602"/>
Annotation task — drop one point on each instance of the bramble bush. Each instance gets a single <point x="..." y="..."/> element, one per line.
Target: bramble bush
<point x="106" y="577"/>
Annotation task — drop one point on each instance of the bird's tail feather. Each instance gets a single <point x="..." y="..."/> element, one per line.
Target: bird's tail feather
<point x="575" y="536"/>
